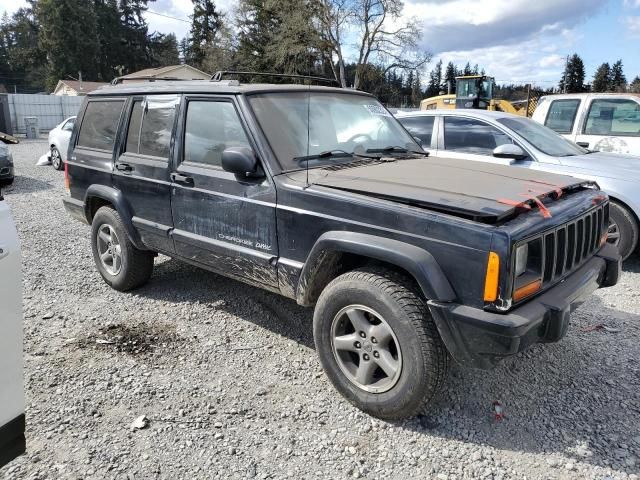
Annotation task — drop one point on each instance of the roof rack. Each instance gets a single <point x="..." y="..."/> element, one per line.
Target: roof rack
<point x="149" y="78"/>
<point x="217" y="77"/>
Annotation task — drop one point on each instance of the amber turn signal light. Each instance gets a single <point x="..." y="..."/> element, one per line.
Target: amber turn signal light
<point x="526" y="290"/>
<point x="491" y="280"/>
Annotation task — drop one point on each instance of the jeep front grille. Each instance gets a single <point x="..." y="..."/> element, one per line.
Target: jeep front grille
<point x="570" y="245"/>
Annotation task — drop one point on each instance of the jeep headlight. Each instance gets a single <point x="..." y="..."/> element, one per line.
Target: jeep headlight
<point x="522" y="256"/>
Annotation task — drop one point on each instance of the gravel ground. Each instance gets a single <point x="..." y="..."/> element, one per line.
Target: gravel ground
<point x="228" y="379"/>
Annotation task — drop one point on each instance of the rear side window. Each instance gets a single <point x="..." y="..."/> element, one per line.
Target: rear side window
<point x="211" y="127"/>
<point x="613" y="117"/>
<point x="420" y="127"/>
<point x="561" y="115"/>
<point x="100" y="124"/>
<point x="151" y="125"/>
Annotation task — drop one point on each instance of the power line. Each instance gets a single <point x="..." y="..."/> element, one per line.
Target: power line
<point x="168" y="16"/>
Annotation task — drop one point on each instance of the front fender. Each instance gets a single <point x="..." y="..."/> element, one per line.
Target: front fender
<point x="416" y="261"/>
<point x="115" y="198"/>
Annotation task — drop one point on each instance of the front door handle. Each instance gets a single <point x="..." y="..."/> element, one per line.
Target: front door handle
<point x="583" y="144"/>
<point x="124" y="167"/>
<point x="178" y="178"/>
<point x="4" y="251"/>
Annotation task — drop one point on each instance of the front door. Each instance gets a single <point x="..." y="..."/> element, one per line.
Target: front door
<point x="221" y="221"/>
<point x="12" y="442"/>
<point x="611" y="125"/>
<point x="472" y="139"/>
<point x="142" y="167"/>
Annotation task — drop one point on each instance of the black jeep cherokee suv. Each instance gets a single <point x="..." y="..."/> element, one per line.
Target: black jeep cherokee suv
<point x="319" y="194"/>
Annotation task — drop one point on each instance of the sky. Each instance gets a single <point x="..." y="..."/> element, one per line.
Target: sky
<point x="516" y="41"/>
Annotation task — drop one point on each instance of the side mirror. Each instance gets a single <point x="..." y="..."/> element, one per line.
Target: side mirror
<point x="241" y="161"/>
<point x="509" y="150"/>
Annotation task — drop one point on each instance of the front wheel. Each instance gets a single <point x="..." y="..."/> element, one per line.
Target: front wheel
<point x="623" y="229"/>
<point x="121" y="264"/>
<point x="56" y="159"/>
<point x="378" y="343"/>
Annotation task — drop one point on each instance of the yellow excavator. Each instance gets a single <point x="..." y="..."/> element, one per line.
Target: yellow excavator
<point x="474" y="91"/>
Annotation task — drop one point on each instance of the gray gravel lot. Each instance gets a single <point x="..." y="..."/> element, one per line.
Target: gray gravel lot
<point x="229" y="380"/>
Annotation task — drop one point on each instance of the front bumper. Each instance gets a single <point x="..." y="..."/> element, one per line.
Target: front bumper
<point x="480" y="339"/>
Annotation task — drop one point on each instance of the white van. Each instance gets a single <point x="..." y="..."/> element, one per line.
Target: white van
<point x="12" y="422"/>
<point x="607" y="122"/>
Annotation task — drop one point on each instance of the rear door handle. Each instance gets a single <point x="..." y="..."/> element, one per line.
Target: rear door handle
<point x="583" y="144"/>
<point x="124" y="167"/>
<point x="178" y="178"/>
<point x="3" y="252"/>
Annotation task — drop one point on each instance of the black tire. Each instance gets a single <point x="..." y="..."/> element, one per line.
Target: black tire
<point x="7" y="181"/>
<point x="623" y="224"/>
<point x="424" y="358"/>
<point x="135" y="265"/>
<point x="56" y="159"/>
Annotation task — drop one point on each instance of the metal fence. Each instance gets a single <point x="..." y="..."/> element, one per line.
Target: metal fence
<point x="50" y="110"/>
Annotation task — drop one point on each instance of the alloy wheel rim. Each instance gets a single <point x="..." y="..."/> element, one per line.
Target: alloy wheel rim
<point x="109" y="249"/>
<point x="55" y="156"/>
<point x="613" y="233"/>
<point x="366" y="349"/>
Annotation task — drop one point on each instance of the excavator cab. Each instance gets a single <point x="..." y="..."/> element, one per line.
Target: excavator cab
<point x="474" y="91"/>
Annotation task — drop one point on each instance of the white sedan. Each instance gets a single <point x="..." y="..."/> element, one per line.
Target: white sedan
<point x="59" y="142"/>
<point x="12" y="422"/>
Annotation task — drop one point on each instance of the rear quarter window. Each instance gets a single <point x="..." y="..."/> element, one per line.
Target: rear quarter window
<point x="100" y="124"/>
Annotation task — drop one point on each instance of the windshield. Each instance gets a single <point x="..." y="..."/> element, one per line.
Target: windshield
<point x="303" y="124"/>
<point x="542" y="138"/>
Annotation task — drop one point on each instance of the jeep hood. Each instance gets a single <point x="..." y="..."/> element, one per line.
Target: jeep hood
<point x="480" y="191"/>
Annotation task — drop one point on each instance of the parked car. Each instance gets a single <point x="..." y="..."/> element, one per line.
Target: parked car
<point x="6" y="165"/>
<point x="320" y="195"/>
<point x="12" y="421"/>
<point x="59" y="142"/>
<point x="507" y="139"/>
<point x="607" y="122"/>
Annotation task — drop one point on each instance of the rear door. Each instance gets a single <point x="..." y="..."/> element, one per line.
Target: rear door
<point x="223" y="222"/>
<point x="142" y="167"/>
<point x="611" y="125"/>
<point x="12" y="423"/>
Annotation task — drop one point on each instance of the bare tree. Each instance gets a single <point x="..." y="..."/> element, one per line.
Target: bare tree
<point x="383" y="35"/>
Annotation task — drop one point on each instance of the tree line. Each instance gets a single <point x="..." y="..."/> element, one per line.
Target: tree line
<point x="50" y="40"/>
<point x="607" y="78"/>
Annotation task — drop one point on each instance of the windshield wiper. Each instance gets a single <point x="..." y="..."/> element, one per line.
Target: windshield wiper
<point x="325" y="154"/>
<point x="395" y="149"/>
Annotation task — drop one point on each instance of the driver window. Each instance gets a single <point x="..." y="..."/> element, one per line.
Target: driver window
<point x="210" y="128"/>
<point x="469" y="135"/>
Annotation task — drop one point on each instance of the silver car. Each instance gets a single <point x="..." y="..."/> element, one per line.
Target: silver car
<point x="59" y="142"/>
<point x="507" y="139"/>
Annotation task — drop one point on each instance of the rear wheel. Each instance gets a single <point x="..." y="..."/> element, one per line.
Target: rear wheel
<point x="121" y="264"/>
<point x="378" y="344"/>
<point x="623" y="229"/>
<point x="56" y="159"/>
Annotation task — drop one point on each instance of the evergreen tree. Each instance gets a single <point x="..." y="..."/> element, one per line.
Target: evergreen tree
<point x="475" y="70"/>
<point x="602" y="78"/>
<point x="634" y="86"/>
<point x="573" y="78"/>
<point x="450" y="74"/>
<point x="134" y="41"/>
<point x="435" y="81"/>
<point x="69" y="36"/>
<point x="416" y="90"/>
<point x="467" y="70"/>
<point x="112" y="55"/>
<point x="618" y="80"/>
<point x="206" y="21"/>
<point x="163" y="50"/>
